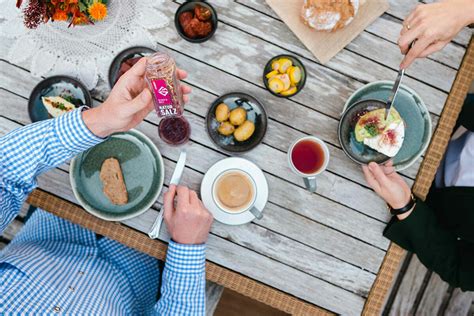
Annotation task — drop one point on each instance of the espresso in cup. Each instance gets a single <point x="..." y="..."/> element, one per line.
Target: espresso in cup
<point x="234" y="191"/>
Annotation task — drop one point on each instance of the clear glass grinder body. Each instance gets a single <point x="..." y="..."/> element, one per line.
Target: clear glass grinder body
<point x="162" y="80"/>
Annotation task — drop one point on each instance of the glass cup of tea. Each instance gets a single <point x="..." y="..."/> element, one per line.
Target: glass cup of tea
<point x="308" y="157"/>
<point x="234" y="191"/>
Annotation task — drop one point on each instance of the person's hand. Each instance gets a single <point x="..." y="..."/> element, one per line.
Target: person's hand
<point x="432" y="26"/>
<point x="189" y="221"/>
<point x="128" y="104"/>
<point x="388" y="184"/>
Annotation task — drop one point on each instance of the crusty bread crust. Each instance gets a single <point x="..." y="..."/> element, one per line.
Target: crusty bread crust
<point x="328" y="15"/>
<point x="114" y="184"/>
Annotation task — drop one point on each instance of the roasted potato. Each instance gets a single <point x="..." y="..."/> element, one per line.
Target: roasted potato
<point x="238" y="116"/>
<point x="226" y="129"/>
<point x="222" y="112"/>
<point x="244" y="131"/>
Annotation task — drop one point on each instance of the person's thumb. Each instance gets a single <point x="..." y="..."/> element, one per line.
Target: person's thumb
<point x="379" y="174"/>
<point x="141" y="101"/>
<point x="168" y="202"/>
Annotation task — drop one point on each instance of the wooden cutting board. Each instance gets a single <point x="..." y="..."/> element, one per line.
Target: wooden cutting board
<point x="324" y="45"/>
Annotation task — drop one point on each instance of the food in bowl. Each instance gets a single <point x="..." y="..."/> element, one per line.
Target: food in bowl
<point x="329" y="15"/>
<point x="57" y="105"/>
<point x="234" y="122"/>
<point x="244" y="131"/>
<point x="126" y="65"/>
<point x="196" y="23"/>
<point x="383" y="135"/>
<point x="222" y="112"/>
<point x="114" y="186"/>
<point x="284" y="77"/>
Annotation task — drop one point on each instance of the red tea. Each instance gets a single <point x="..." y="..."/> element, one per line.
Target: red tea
<point x="308" y="156"/>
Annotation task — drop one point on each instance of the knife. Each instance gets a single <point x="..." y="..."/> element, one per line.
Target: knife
<point x="396" y="85"/>
<point x="177" y="173"/>
<point x="393" y="93"/>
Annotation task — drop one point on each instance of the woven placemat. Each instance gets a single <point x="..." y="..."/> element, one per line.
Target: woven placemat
<point x="155" y="248"/>
<point x="391" y="263"/>
<point x="255" y="289"/>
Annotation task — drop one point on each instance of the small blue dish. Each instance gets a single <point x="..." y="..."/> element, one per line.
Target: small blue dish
<point x="142" y="169"/>
<point x="412" y="110"/>
<point x="255" y="113"/>
<point x="62" y="86"/>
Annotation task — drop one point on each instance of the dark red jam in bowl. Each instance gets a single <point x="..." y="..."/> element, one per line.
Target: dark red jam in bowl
<point x="174" y="130"/>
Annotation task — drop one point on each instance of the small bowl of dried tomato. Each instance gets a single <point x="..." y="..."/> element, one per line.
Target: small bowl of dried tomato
<point x="196" y="21"/>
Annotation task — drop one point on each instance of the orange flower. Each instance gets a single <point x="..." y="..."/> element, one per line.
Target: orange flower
<point x="60" y="15"/>
<point x="97" y="11"/>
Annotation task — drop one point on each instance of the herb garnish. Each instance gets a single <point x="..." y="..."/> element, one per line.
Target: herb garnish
<point x="371" y="129"/>
<point x="60" y="106"/>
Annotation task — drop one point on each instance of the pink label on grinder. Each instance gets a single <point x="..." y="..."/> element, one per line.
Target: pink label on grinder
<point x="162" y="96"/>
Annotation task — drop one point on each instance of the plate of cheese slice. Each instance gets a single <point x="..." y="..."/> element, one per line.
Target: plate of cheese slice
<point x="55" y="96"/>
<point x="366" y="135"/>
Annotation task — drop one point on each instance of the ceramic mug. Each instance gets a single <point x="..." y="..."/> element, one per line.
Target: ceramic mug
<point x="308" y="157"/>
<point x="249" y="206"/>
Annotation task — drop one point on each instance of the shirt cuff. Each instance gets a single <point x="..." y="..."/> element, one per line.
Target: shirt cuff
<point x="73" y="133"/>
<point x="405" y="232"/>
<point x="186" y="259"/>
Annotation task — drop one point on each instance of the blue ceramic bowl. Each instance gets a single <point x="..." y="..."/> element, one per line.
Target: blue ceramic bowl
<point x="56" y="86"/>
<point x="412" y="110"/>
<point x="142" y="168"/>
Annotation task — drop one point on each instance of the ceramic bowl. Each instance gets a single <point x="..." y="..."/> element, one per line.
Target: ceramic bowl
<point x="131" y="52"/>
<point x="142" y="168"/>
<point x="189" y="6"/>
<point x="56" y="86"/>
<point x="418" y="127"/>
<point x="255" y="113"/>
<point x="296" y="62"/>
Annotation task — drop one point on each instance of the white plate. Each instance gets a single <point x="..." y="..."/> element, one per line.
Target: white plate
<point x="232" y="164"/>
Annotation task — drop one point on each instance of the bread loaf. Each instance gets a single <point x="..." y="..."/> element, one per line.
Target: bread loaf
<point x="329" y="15"/>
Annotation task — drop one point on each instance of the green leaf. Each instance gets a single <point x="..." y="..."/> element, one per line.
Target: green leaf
<point x="371" y="129"/>
<point x="82" y="7"/>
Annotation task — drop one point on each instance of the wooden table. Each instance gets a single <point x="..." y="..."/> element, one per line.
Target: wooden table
<point x="324" y="248"/>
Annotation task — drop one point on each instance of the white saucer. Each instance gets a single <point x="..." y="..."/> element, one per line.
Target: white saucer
<point x="228" y="164"/>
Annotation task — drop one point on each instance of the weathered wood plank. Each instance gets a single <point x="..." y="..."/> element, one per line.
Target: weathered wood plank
<point x="433" y="296"/>
<point x="327" y="212"/>
<point x="250" y="262"/>
<point x="273" y="140"/>
<point x="24" y="210"/>
<point x="460" y="303"/>
<point x="227" y="254"/>
<point x="213" y="296"/>
<point x="369" y="258"/>
<point x="349" y="276"/>
<point x="346" y="62"/>
<point x="402" y="8"/>
<point x="388" y="54"/>
<point x="12" y="229"/>
<point x="409" y="288"/>
<point x="388" y="28"/>
<point x="367" y="202"/>
<point x="450" y="55"/>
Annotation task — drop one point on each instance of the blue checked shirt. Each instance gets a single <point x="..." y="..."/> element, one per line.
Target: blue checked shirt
<point x="53" y="266"/>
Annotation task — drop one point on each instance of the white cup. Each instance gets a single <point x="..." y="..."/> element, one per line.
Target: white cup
<point x="309" y="178"/>
<point x="247" y="207"/>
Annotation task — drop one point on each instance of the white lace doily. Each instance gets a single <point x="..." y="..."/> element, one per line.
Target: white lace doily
<point x="84" y="51"/>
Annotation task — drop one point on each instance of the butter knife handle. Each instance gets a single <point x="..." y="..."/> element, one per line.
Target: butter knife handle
<point x="155" y="229"/>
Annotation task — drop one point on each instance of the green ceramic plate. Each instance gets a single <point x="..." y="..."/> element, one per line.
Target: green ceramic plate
<point x="143" y="172"/>
<point x="412" y="110"/>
